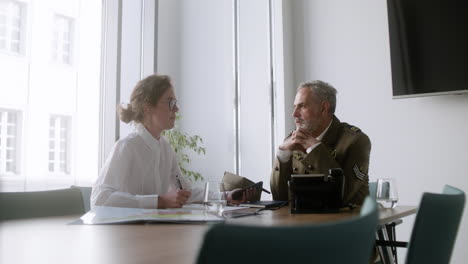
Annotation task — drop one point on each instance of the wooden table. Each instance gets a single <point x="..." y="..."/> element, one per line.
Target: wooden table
<point x="54" y="240"/>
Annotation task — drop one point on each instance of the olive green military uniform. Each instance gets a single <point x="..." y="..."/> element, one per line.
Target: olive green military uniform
<point x="343" y="146"/>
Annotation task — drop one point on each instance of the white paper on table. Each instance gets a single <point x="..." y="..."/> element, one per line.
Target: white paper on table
<point x="112" y="215"/>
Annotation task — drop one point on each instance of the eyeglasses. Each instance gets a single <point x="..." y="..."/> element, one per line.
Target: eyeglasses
<point x="172" y="104"/>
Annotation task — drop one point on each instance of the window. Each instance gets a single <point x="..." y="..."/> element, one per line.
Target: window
<point x="11" y="26"/>
<point x="62" y="39"/>
<point x="8" y="141"/>
<point x="59" y="144"/>
<point x="49" y="99"/>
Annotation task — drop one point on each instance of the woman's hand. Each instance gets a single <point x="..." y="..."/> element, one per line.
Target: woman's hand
<point x="173" y="199"/>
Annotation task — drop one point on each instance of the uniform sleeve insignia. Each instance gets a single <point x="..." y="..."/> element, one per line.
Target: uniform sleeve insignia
<point x="333" y="153"/>
<point x="361" y="176"/>
<point x="355" y="129"/>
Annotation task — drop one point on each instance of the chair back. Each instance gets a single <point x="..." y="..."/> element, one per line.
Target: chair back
<point x="16" y="205"/>
<point x="436" y="226"/>
<point x="373" y="189"/>
<point x="86" y="195"/>
<point x="346" y="241"/>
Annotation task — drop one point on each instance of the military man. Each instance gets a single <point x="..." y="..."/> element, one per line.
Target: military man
<point x="321" y="142"/>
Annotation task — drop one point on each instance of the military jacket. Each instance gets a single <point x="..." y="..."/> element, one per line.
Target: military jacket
<point x="343" y="146"/>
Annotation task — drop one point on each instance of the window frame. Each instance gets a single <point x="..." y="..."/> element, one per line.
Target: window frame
<point x="9" y="25"/>
<point x="61" y="122"/>
<point x="58" y="39"/>
<point x="4" y="113"/>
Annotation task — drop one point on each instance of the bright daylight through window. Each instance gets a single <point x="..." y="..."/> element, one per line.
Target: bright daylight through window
<point x="50" y="55"/>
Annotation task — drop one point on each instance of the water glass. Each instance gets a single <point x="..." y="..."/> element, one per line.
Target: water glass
<point x="214" y="197"/>
<point x="386" y="195"/>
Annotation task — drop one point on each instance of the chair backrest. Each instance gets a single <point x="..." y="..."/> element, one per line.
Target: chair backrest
<point x="436" y="226"/>
<point x="15" y="205"/>
<point x="86" y="194"/>
<point x="346" y="241"/>
<point x="373" y="189"/>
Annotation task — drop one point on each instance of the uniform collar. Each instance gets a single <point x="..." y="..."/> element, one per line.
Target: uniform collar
<point x="320" y="137"/>
<point x="329" y="138"/>
<point x="149" y="140"/>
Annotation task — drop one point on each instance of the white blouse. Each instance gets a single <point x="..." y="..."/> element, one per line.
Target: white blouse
<point x="138" y="169"/>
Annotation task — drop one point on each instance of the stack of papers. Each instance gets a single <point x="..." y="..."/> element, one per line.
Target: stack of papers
<point x="189" y="213"/>
<point x="113" y="215"/>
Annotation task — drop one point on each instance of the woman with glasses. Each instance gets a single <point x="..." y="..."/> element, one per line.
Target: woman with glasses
<point x="142" y="169"/>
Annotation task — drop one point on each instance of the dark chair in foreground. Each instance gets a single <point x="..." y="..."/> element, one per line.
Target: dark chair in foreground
<point x="16" y="205"/>
<point x="347" y="241"/>
<point x="436" y="227"/>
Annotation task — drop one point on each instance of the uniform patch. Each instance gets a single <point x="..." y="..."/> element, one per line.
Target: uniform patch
<point x="361" y="176"/>
<point x="298" y="155"/>
<point x="355" y="129"/>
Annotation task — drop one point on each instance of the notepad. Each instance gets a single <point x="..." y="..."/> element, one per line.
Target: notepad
<point x="265" y="204"/>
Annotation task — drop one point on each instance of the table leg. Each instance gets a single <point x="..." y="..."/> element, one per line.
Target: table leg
<point x="386" y="253"/>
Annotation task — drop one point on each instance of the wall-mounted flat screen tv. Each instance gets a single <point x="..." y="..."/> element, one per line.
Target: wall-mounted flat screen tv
<point x="428" y="47"/>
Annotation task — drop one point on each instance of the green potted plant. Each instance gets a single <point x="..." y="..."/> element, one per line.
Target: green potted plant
<point x="182" y="142"/>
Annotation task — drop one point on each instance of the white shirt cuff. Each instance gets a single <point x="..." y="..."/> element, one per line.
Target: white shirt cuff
<point x="148" y="201"/>
<point x="283" y="155"/>
<point x="312" y="147"/>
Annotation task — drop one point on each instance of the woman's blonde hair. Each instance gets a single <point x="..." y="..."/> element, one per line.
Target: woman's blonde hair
<point x="146" y="91"/>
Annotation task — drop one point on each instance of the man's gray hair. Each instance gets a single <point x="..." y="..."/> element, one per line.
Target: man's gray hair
<point x="323" y="91"/>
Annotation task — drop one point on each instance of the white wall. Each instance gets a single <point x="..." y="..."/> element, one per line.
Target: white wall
<point x="196" y="47"/>
<point x="420" y="141"/>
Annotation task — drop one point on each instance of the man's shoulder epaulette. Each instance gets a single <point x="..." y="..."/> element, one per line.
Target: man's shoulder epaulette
<point x="351" y="128"/>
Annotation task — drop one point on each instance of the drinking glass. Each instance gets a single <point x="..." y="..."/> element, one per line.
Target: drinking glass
<point x="214" y="197"/>
<point x="387" y="195"/>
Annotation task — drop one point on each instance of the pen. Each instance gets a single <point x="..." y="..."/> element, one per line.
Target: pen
<point x="178" y="182"/>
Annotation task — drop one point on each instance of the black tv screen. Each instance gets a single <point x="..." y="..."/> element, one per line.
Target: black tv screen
<point x="428" y="47"/>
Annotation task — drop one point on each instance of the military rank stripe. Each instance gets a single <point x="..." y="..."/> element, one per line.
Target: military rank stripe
<point x="358" y="173"/>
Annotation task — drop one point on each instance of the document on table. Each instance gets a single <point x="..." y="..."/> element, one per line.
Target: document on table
<point x="191" y="213"/>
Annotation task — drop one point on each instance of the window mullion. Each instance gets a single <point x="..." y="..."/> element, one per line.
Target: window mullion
<point x="3" y="139"/>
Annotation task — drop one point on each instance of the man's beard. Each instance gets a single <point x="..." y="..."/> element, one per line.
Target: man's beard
<point x="311" y="125"/>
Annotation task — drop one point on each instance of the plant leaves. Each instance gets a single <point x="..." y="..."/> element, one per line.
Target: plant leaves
<point x="181" y="143"/>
